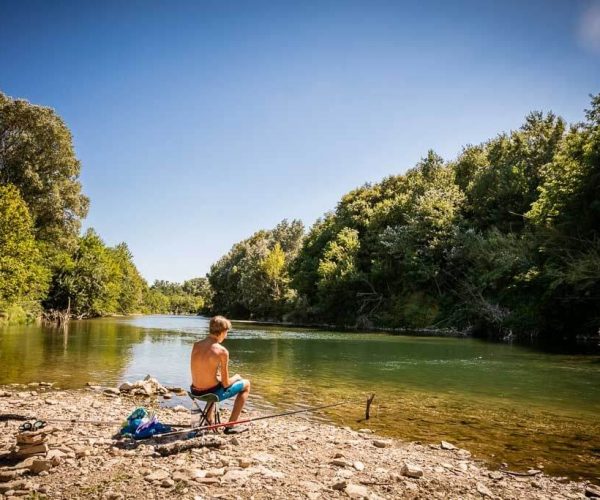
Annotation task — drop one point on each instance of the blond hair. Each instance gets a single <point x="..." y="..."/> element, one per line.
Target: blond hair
<point x="219" y="324"/>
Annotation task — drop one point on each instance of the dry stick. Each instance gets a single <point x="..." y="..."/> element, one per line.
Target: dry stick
<point x="369" y="401"/>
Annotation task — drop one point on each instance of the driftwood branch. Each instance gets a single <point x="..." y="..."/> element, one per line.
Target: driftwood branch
<point x="368" y="409"/>
<point x="179" y="446"/>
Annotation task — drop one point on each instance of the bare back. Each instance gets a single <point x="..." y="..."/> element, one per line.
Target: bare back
<point x="206" y="359"/>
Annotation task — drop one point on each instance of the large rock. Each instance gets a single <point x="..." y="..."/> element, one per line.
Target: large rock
<point x="40" y="465"/>
<point x="356" y="491"/>
<point x="126" y="387"/>
<point x="484" y="490"/>
<point x="8" y="475"/>
<point x="380" y="443"/>
<point x="56" y="456"/>
<point x="263" y="457"/>
<point x="339" y="485"/>
<point x="167" y="483"/>
<point x="592" y="491"/>
<point x="447" y="446"/>
<point x="235" y="475"/>
<point x="157" y="475"/>
<point x="411" y="470"/>
<point x="215" y="472"/>
<point x="157" y="387"/>
<point x="12" y="486"/>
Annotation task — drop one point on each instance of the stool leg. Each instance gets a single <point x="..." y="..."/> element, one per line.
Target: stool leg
<point x="197" y="415"/>
<point x="210" y="413"/>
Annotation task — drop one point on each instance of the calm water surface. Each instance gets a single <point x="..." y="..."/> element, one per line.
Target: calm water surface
<point x="504" y="403"/>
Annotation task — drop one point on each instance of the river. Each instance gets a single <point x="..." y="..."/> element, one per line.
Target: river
<point x="504" y="403"/>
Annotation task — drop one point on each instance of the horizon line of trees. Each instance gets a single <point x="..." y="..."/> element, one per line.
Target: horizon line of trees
<point x="504" y="241"/>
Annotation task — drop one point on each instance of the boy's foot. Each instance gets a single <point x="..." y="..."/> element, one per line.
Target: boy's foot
<point x="233" y="430"/>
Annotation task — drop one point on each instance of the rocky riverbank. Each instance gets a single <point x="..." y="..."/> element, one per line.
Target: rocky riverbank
<point x="290" y="457"/>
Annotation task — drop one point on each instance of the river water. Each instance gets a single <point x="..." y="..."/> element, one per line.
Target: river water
<point x="504" y="403"/>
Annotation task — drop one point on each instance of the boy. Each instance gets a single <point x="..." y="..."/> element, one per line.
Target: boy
<point x="208" y="356"/>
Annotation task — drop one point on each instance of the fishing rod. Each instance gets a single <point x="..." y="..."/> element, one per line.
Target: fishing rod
<point x="196" y="430"/>
<point x="187" y="427"/>
<point x="4" y="418"/>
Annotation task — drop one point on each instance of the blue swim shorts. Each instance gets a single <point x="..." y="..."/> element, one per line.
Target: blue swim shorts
<point x="222" y="392"/>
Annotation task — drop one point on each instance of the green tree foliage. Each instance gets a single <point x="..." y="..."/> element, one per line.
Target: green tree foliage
<point x="97" y="280"/>
<point x="88" y="284"/>
<point x="37" y="156"/>
<point x="23" y="277"/>
<point x="501" y="177"/>
<point x="504" y="239"/>
<point x="252" y="280"/>
<point x="131" y="283"/>
<point x="191" y="297"/>
<point x="567" y="219"/>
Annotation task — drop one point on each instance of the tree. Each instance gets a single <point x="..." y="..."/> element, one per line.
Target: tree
<point x="130" y="283"/>
<point x="199" y="287"/>
<point x="501" y="177"/>
<point x="89" y="281"/>
<point x="37" y="156"/>
<point x="252" y="279"/>
<point x="23" y="278"/>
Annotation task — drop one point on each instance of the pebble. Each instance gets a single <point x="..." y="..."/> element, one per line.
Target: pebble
<point x="379" y="443"/>
<point x="247" y="464"/>
<point x="215" y="472"/>
<point x="12" y="486"/>
<point x="234" y="475"/>
<point x="484" y="490"/>
<point x="340" y="485"/>
<point x="356" y="491"/>
<point x="592" y="491"/>
<point x="340" y="462"/>
<point x="447" y="446"/>
<point x="344" y="473"/>
<point x="180" y="476"/>
<point x="157" y="475"/>
<point x="412" y="470"/>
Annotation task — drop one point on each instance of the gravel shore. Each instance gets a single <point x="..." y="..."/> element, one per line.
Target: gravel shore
<point x="291" y="457"/>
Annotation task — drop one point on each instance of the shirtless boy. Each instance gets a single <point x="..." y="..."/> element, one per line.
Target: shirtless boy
<point x="208" y="358"/>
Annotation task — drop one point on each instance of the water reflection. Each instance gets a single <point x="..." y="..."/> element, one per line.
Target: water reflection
<point x="505" y="403"/>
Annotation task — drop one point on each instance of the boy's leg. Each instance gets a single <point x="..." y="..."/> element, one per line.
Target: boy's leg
<point x="240" y="400"/>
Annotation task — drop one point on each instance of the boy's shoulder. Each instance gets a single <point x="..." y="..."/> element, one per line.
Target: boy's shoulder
<point x="218" y="348"/>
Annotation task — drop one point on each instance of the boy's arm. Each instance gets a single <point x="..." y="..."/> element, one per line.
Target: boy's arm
<point x="225" y="382"/>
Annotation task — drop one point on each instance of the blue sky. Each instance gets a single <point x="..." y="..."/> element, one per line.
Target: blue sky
<point x="200" y="122"/>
